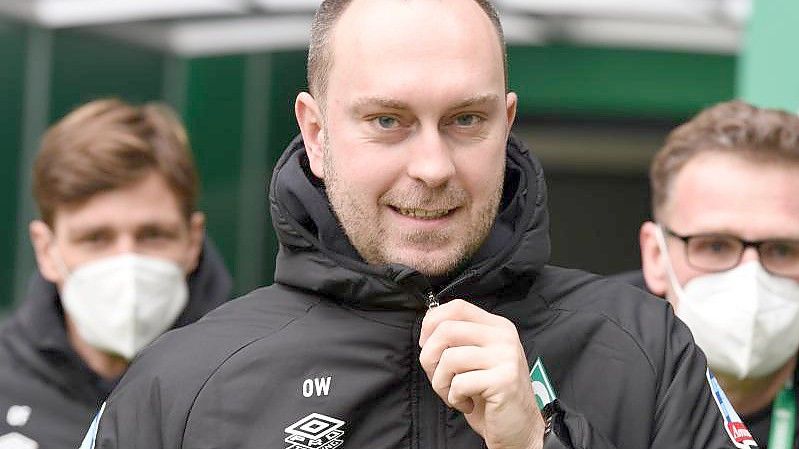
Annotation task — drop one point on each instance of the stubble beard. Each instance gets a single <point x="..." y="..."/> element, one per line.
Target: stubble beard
<point x="371" y="239"/>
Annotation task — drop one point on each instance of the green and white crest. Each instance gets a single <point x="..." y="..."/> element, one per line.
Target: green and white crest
<point x="544" y="393"/>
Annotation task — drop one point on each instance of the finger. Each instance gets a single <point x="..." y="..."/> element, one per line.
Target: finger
<point x="458" y="310"/>
<point x="451" y="334"/>
<point x="467" y="388"/>
<point x="497" y="385"/>
<point x="465" y="405"/>
<point x="455" y="361"/>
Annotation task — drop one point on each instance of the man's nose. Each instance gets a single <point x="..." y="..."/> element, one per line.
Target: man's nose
<point x="125" y="243"/>
<point x="431" y="159"/>
<point x="749" y="255"/>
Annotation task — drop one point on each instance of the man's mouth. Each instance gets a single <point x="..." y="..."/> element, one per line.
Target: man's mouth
<point x="424" y="214"/>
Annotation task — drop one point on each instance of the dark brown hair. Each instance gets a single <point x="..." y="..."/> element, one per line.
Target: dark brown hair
<point x="734" y="127"/>
<point x="108" y="144"/>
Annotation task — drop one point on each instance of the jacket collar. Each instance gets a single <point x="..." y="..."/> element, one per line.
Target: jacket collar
<point x="316" y="255"/>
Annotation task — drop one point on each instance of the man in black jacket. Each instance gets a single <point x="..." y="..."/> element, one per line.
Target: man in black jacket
<point x="412" y="307"/>
<point x="121" y="258"/>
<point x="724" y="250"/>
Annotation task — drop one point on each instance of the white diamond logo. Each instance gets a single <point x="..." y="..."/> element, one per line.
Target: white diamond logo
<point x="315" y="431"/>
<point x="18" y="415"/>
<point x="16" y="440"/>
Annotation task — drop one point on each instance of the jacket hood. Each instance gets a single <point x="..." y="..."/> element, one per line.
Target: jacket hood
<point x="35" y="334"/>
<point x="316" y="255"/>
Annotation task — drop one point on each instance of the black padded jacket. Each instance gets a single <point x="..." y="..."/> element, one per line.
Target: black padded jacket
<point x="327" y="356"/>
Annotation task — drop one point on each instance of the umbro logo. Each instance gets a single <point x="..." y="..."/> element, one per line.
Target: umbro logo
<point x="315" y="431"/>
<point x="18" y="415"/>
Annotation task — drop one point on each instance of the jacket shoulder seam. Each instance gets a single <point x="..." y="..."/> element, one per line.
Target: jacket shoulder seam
<point x="216" y="369"/>
<point x="621" y="327"/>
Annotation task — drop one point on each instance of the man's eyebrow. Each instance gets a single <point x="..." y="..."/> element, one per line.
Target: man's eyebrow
<point x="80" y="231"/>
<point x="391" y="103"/>
<point x="170" y="226"/>
<point x="384" y="102"/>
<point x="476" y="100"/>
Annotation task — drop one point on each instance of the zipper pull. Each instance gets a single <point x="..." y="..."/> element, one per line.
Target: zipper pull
<point x="432" y="301"/>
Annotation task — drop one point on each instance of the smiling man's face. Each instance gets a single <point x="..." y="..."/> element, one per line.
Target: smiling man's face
<point x="412" y="148"/>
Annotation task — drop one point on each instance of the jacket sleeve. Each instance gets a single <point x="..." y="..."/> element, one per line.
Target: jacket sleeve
<point x="572" y="430"/>
<point x="692" y="411"/>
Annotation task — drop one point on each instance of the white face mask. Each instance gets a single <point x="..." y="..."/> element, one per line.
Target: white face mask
<point x="122" y="303"/>
<point x="745" y="319"/>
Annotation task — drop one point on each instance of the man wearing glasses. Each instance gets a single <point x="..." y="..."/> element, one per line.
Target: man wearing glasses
<point x="724" y="250"/>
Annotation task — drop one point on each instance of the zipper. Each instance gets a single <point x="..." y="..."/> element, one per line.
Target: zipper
<point x="466" y="276"/>
<point x="428" y="411"/>
<point x="418" y="286"/>
<point x="416" y="385"/>
<point x="432" y="301"/>
<point x="427" y="428"/>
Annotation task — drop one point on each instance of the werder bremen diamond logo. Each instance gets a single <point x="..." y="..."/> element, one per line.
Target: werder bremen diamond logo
<point x="315" y="431"/>
<point x="544" y="393"/>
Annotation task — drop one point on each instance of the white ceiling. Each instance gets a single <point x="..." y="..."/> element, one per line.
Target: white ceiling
<point x="72" y="13"/>
<point x="207" y="27"/>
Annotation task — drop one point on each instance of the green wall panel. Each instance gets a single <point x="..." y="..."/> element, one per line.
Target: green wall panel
<point x="12" y="69"/>
<point x="214" y="114"/>
<point x="582" y="81"/>
<point x="288" y="79"/>
<point x="87" y="67"/>
<point x="769" y="66"/>
<point x="240" y="115"/>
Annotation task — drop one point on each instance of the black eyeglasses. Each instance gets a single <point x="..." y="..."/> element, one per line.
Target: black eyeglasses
<point x="720" y="252"/>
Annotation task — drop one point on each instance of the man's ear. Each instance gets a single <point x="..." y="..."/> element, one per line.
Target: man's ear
<point x="511" y="102"/>
<point x="42" y="240"/>
<point x="655" y="274"/>
<point x="196" y="239"/>
<point x="311" y="122"/>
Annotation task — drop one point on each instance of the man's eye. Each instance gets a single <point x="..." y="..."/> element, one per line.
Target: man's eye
<point x="467" y="120"/>
<point x="779" y="250"/>
<point x="95" y="238"/>
<point x="719" y="246"/>
<point x="155" y="235"/>
<point x="714" y="246"/>
<point x="386" y="122"/>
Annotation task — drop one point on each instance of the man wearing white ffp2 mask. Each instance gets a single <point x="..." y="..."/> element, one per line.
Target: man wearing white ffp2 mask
<point x="725" y="253"/>
<point x="121" y="303"/>
<point x="745" y="318"/>
<point x="121" y="258"/>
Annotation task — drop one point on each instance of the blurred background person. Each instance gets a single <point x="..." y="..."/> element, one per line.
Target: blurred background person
<point x="121" y="256"/>
<point x="724" y="250"/>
